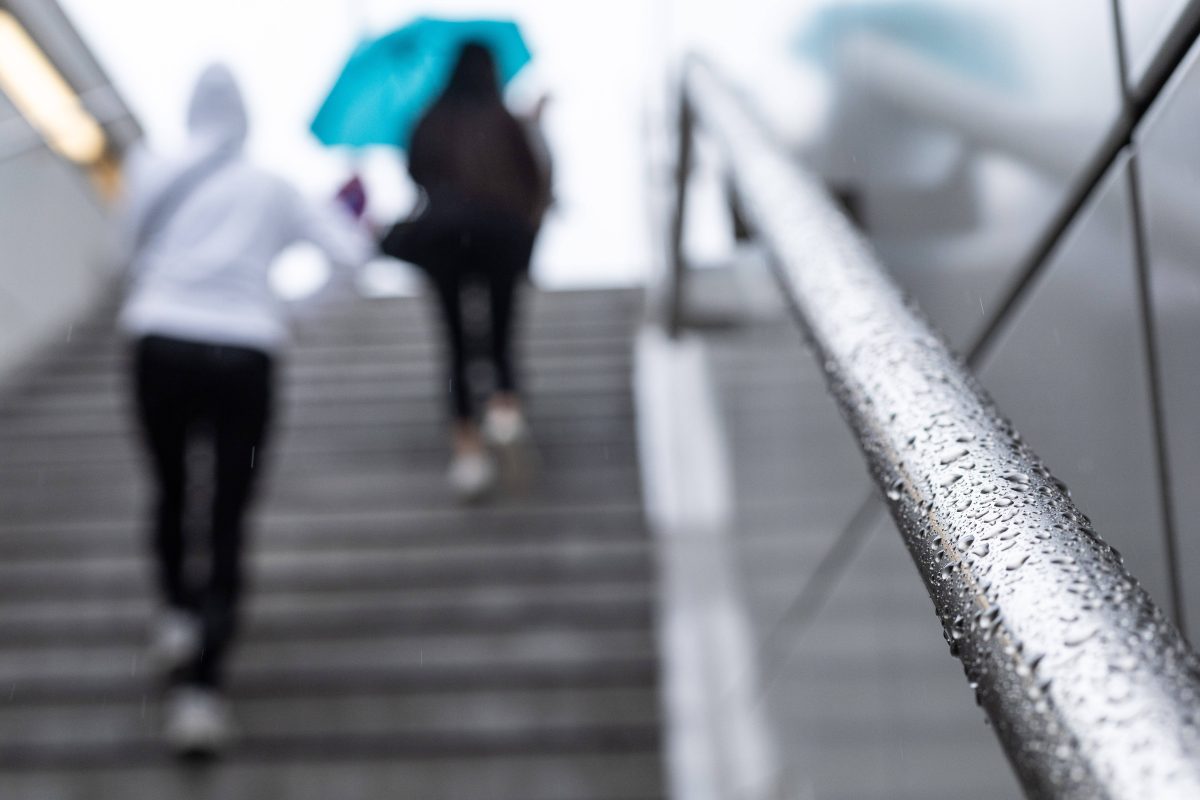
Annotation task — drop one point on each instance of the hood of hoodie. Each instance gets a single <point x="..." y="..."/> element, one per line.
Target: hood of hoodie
<point x="217" y="127"/>
<point x="217" y="113"/>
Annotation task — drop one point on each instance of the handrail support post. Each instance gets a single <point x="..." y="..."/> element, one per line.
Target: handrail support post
<point x="678" y="260"/>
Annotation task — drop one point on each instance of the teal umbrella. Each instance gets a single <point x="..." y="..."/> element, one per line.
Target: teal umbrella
<point x="388" y="82"/>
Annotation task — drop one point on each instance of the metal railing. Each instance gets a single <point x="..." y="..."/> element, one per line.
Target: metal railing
<point x="1091" y="689"/>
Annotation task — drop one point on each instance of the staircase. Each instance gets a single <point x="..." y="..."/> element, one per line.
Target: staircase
<point x="395" y="644"/>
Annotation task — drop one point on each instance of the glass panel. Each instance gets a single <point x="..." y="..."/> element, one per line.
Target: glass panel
<point x="1070" y="370"/>
<point x="860" y="696"/>
<point x="872" y="703"/>
<point x="1169" y="169"/>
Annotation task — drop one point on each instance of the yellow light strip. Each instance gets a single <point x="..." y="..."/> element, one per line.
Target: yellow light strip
<point x="44" y="98"/>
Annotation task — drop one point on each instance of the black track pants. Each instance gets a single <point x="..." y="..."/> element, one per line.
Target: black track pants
<point x="187" y="390"/>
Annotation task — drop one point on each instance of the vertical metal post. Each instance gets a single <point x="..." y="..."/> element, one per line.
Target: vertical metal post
<point x="741" y="228"/>
<point x="678" y="265"/>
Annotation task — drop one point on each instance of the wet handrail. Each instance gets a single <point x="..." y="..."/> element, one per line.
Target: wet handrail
<point x="1092" y="691"/>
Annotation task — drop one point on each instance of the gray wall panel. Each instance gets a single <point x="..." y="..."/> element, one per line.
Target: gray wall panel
<point x="1169" y="168"/>
<point x="1070" y="370"/>
<point x="54" y="241"/>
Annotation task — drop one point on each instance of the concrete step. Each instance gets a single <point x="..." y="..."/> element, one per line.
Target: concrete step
<point x="258" y="656"/>
<point x="551" y="456"/>
<point x="114" y="412"/>
<point x="398" y="440"/>
<point x="404" y="353"/>
<point x="407" y="379"/>
<point x="445" y="527"/>
<point x="507" y="776"/>
<point x="114" y="577"/>
<point x="113" y="391"/>
<point x="313" y="492"/>
<point x="286" y="611"/>
<point x="385" y="343"/>
<point x="62" y="734"/>
<point x="609" y="671"/>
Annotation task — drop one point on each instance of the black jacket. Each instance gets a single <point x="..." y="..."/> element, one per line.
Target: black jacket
<point x="475" y="155"/>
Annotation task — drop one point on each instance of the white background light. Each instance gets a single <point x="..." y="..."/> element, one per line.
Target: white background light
<point x="593" y="60"/>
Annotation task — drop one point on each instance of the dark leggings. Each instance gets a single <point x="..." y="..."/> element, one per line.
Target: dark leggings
<point x="458" y="245"/>
<point x="501" y="285"/>
<point x="186" y="390"/>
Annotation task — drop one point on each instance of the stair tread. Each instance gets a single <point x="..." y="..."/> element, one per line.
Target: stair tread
<point x="390" y="639"/>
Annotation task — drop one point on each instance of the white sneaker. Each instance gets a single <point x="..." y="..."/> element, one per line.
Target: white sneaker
<point x="506" y="430"/>
<point x="471" y="475"/>
<point x="198" y="722"/>
<point x="504" y="427"/>
<point x="174" y="639"/>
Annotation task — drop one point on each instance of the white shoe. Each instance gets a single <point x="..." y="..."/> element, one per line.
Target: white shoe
<point x="174" y="639"/>
<point x="471" y="475"/>
<point x="504" y="427"/>
<point x="198" y="722"/>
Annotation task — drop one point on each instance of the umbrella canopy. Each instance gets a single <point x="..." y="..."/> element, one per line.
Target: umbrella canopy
<point x="388" y="82"/>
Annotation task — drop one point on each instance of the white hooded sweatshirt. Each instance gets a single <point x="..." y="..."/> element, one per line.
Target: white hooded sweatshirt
<point x="200" y="271"/>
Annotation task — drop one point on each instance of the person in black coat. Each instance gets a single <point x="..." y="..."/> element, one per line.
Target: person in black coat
<point x="484" y="197"/>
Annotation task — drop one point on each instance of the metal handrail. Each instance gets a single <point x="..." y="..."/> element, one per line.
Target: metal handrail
<point x="1092" y="691"/>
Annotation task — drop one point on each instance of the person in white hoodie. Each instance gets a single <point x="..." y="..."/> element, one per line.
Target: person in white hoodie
<point x="200" y="231"/>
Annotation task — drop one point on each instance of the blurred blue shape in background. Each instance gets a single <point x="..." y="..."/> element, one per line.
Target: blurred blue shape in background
<point x="967" y="41"/>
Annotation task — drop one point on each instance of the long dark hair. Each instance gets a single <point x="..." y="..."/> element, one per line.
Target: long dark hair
<point x="468" y="148"/>
<point x="474" y="76"/>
